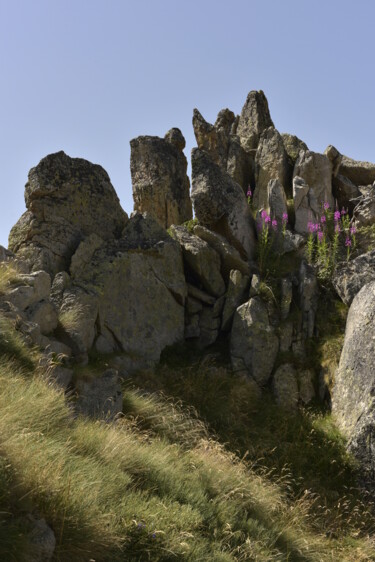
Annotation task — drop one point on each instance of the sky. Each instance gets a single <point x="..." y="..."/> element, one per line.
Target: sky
<point x="87" y="76"/>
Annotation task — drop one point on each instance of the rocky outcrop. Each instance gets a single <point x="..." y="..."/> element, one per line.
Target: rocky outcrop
<point x="67" y="199"/>
<point x="271" y="163"/>
<point x="253" y="343"/>
<point x="237" y="293"/>
<point x="351" y="276"/>
<point x="316" y="171"/>
<point x="160" y="184"/>
<point x="353" y="394"/>
<point x="224" y="147"/>
<point x="254" y="119"/>
<point x="221" y="205"/>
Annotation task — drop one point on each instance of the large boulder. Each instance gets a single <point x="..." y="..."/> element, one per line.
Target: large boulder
<point x="364" y="211"/>
<point x="238" y="290"/>
<point x="201" y="260"/>
<point x="353" y="396"/>
<point x="253" y="344"/>
<point x="254" y="119"/>
<point x="360" y="173"/>
<point x="276" y="200"/>
<point x="220" y="204"/>
<point x="160" y="184"/>
<point x="351" y="276"/>
<point x="316" y="170"/>
<point x="138" y="285"/>
<point x="271" y="163"/>
<point x="67" y="199"/>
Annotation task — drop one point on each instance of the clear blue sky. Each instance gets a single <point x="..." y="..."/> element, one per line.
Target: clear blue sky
<point x="86" y="76"/>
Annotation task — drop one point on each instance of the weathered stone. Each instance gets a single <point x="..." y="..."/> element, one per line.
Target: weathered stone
<point x="105" y="344"/>
<point x="101" y="397"/>
<point x="344" y="191"/>
<point x="254" y="119"/>
<point x="33" y="288"/>
<point x="41" y="540"/>
<point x="140" y="290"/>
<point x="364" y="211"/>
<point x="61" y="376"/>
<point x="255" y="286"/>
<point x="360" y="173"/>
<point x="5" y="255"/>
<point x="253" y="343"/>
<point x="285" y="387"/>
<point x="335" y="157"/>
<point x="230" y="257"/>
<point x="271" y="163"/>
<point x="306" y="205"/>
<point x="286" y="336"/>
<point x="308" y="291"/>
<point x="351" y="276"/>
<point x="221" y="205"/>
<point x="316" y="171"/>
<point x="60" y="282"/>
<point x="200" y="295"/>
<point x="353" y="401"/>
<point x="201" y="259"/>
<point x="286" y="296"/>
<point x="45" y="315"/>
<point x="193" y="306"/>
<point x="83" y="255"/>
<point x="192" y="329"/>
<point x="293" y="146"/>
<point x="67" y="199"/>
<point x="238" y="288"/>
<point x="209" y="325"/>
<point x="276" y="200"/>
<point x="306" y="385"/>
<point x="291" y="242"/>
<point x="160" y="184"/>
<point x="214" y="139"/>
<point x="240" y="164"/>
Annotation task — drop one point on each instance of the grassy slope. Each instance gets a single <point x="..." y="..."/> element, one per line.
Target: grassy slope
<point x="157" y="486"/>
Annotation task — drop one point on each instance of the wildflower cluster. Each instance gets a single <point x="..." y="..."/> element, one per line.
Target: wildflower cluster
<point x="325" y="237"/>
<point x="267" y="230"/>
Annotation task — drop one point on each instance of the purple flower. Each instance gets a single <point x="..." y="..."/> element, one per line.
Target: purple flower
<point x="274" y="223"/>
<point x="325" y="205"/>
<point x="153" y="535"/>
<point x="348" y="242"/>
<point x="310" y="227"/>
<point x="320" y="236"/>
<point x="267" y="219"/>
<point x="249" y="194"/>
<point x="323" y="219"/>
<point x="264" y="214"/>
<point x="337" y="228"/>
<point x="337" y="216"/>
<point x="343" y="211"/>
<point x="285" y="217"/>
<point x="353" y="230"/>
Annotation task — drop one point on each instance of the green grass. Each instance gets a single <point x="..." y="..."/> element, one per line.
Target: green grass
<point x="202" y="472"/>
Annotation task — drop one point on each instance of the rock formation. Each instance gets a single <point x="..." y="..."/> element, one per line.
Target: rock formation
<point x="85" y="279"/>
<point x="67" y="199"/>
<point x="160" y="184"/>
